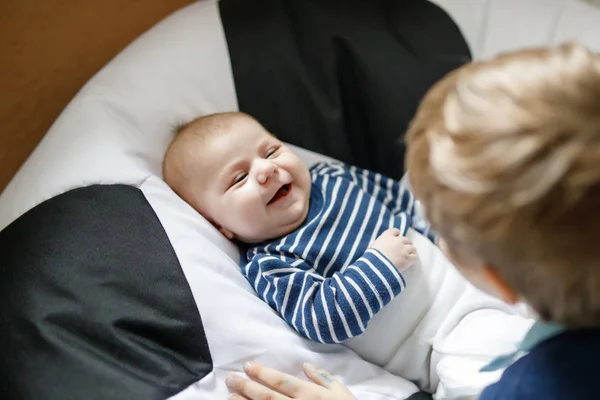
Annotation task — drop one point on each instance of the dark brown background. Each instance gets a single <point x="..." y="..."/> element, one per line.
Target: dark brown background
<point x="48" y="50"/>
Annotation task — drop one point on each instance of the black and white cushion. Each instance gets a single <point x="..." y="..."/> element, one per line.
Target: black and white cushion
<point x="111" y="287"/>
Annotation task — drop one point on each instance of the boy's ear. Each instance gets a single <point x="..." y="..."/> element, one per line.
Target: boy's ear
<point x="226" y="232"/>
<point x="500" y="286"/>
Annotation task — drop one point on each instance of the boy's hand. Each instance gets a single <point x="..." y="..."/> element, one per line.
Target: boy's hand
<point x="399" y="249"/>
<point x="268" y="383"/>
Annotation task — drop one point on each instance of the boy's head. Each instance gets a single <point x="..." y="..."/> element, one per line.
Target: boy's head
<point x="239" y="176"/>
<point x="505" y="157"/>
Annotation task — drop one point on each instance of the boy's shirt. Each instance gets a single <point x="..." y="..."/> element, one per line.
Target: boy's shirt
<point x="322" y="278"/>
<point x="559" y="365"/>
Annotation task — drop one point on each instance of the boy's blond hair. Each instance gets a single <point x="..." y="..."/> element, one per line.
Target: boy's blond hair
<point x="505" y="157"/>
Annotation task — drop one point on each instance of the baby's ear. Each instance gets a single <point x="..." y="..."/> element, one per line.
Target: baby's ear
<point x="226" y="232"/>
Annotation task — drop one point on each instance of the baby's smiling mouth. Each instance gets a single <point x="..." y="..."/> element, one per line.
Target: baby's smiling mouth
<point x="281" y="193"/>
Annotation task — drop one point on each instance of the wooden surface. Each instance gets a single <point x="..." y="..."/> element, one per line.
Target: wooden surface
<point x="49" y="49"/>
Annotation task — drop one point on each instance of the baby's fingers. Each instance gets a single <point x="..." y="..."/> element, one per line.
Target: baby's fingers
<point x="406" y="240"/>
<point x="393" y="232"/>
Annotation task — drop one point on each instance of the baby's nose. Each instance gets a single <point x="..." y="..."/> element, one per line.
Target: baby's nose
<point x="266" y="170"/>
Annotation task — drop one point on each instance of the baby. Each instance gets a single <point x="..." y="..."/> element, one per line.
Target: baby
<point x="326" y="247"/>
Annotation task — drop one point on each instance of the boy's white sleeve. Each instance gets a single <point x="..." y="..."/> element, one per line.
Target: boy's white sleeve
<point x="455" y="329"/>
<point x="478" y="329"/>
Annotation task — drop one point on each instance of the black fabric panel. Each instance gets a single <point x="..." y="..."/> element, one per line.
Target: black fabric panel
<point x="94" y="304"/>
<point x="342" y="78"/>
<point x="420" y="396"/>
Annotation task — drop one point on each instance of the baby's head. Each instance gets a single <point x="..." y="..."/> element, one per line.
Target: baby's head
<point x="505" y="157"/>
<point x="238" y="176"/>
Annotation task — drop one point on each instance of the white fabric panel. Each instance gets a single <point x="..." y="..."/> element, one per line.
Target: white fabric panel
<point x="118" y="126"/>
<point x="238" y="325"/>
<point x="441" y="330"/>
<point x="494" y="26"/>
<point x="438" y="311"/>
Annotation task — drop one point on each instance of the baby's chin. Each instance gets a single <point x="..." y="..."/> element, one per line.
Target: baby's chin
<point x="267" y="236"/>
<point x="274" y="233"/>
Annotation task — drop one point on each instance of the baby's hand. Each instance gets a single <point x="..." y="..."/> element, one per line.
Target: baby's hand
<point x="399" y="249"/>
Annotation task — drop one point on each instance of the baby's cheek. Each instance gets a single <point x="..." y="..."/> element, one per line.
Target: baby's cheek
<point x="249" y="218"/>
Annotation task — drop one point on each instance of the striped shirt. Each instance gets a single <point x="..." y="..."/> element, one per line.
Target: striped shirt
<point x="323" y="278"/>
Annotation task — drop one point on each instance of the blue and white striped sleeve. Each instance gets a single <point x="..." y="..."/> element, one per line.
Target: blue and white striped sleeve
<point x="393" y="194"/>
<point x="326" y="310"/>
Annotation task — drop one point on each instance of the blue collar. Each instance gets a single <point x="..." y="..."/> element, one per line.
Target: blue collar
<point x="539" y="332"/>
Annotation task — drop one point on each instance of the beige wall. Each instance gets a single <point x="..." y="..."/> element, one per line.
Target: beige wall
<point x="49" y="49"/>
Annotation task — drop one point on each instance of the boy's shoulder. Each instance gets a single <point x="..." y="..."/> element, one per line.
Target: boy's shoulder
<point x="563" y="367"/>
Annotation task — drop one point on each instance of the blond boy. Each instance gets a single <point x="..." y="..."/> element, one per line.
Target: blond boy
<point x="505" y="157"/>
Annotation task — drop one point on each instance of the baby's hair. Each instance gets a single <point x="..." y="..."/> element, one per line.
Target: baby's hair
<point x="505" y="156"/>
<point x="178" y="128"/>
<point x="183" y="148"/>
<point x="209" y="124"/>
<point x="199" y="128"/>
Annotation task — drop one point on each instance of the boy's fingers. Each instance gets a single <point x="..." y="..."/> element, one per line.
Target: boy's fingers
<point x="319" y="377"/>
<point x="251" y="390"/>
<point x="325" y="379"/>
<point x="274" y="379"/>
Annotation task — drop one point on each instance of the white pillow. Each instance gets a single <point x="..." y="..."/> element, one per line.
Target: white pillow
<point x="439" y="310"/>
<point x="116" y="129"/>
<point x="494" y="26"/>
<point x="239" y="327"/>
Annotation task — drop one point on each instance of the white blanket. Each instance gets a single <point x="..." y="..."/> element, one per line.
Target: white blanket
<point x="441" y="330"/>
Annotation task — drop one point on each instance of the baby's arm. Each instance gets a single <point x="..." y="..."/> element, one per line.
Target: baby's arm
<point x="326" y="310"/>
<point x="394" y="195"/>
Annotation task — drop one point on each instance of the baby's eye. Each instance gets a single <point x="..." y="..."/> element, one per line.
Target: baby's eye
<point x="240" y="177"/>
<point x="271" y="152"/>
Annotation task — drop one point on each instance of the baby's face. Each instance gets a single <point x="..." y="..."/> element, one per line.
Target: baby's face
<point x="250" y="185"/>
